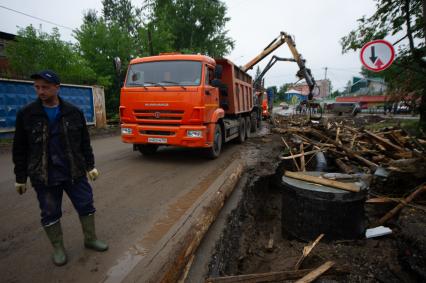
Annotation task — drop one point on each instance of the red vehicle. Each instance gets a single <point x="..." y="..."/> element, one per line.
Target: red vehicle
<point x="188" y="101"/>
<point x="265" y="109"/>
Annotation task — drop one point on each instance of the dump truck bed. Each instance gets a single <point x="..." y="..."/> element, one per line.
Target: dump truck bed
<point x="239" y="95"/>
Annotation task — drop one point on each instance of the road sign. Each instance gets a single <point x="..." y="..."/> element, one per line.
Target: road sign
<point x="377" y="55"/>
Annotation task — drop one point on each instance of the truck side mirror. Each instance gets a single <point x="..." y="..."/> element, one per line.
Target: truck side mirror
<point x="218" y="72"/>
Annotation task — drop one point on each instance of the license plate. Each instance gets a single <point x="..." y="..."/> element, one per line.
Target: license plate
<point x="157" y="140"/>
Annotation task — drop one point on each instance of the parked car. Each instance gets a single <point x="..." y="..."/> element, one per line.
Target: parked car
<point x="341" y="108"/>
<point x="284" y="105"/>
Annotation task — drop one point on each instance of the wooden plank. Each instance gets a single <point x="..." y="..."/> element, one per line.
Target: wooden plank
<point x="351" y="187"/>
<point x="382" y="200"/>
<point x="354" y="137"/>
<point x="271" y="276"/>
<point x="291" y="153"/>
<point x="302" y="158"/>
<point x="396" y="209"/>
<point x="396" y="139"/>
<point x="343" y="166"/>
<point x="314" y="274"/>
<point x="307" y="250"/>
<point x="354" y="131"/>
<point x="300" y="154"/>
<point x="337" y="135"/>
<point x="384" y="141"/>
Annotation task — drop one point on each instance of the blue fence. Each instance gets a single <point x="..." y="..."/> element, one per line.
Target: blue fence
<point x="16" y="94"/>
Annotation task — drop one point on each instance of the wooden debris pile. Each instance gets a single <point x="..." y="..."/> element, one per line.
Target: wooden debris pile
<point x="353" y="149"/>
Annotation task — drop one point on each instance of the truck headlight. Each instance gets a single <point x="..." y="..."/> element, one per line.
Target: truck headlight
<point x="126" y="131"/>
<point x="194" y="133"/>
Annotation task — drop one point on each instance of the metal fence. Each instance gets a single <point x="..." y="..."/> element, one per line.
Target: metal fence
<point x="15" y="94"/>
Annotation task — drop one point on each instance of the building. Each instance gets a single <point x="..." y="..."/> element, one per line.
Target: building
<point x="294" y="97"/>
<point x="368" y="92"/>
<point x="368" y="86"/>
<point x="365" y="101"/>
<point x="5" y="38"/>
<point x="323" y="85"/>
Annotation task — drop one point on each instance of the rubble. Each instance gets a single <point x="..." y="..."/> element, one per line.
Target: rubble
<point x="389" y="162"/>
<point x="354" y="149"/>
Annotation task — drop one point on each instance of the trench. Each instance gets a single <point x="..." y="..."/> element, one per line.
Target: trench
<point x="252" y="241"/>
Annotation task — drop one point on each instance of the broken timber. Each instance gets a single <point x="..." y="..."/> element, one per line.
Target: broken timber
<point x="403" y="203"/>
<point x="351" y="187"/>
<point x="291" y="153"/>
<point x="384" y="141"/>
<point x="272" y="276"/>
<point x="311" y="276"/>
<point x="307" y="250"/>
<point x="300" y="154"/>
<point x="349" y="152"/>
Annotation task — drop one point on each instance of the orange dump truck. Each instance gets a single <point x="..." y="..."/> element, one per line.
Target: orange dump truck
<point x="187" y="101"/>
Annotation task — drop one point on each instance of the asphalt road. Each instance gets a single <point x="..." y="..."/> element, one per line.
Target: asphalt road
<point x="137" y="200"/>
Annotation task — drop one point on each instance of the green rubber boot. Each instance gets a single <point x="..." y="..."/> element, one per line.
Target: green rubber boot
<point x="54" y="233"/>
<point x="90" y="239"/>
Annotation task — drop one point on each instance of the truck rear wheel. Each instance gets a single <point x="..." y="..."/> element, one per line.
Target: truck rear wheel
<point x="148" y="149"/>
<point x="214" y="151"/>
<point x="242" y="130"/>
<point x="253" y="122"/>
<point x="248" y="127"/>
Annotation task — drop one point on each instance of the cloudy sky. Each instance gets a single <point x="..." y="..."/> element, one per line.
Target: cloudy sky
<point x="317" y="26"/>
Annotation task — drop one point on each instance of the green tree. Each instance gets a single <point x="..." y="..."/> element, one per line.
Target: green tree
<point x="35" y="50"/>
<point x="125" y="31"/>
<point x="188" y="26"/>
<point x="102" y="38"/>
<point x="392" y="17"/>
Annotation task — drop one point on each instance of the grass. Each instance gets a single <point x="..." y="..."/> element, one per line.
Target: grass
<point x="411" y="126"/>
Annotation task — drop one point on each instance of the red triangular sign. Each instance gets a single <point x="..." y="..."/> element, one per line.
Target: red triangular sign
<point x="378" y="63"/>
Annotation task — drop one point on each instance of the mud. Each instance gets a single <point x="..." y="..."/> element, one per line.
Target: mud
<point x="243" y="246"/>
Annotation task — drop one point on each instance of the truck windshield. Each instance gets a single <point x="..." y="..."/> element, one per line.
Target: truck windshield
<point x="164" y="73"/>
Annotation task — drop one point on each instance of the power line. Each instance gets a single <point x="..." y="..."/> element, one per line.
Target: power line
<point x="37" y="18"/>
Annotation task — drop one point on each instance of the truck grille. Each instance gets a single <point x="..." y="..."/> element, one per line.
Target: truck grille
<point x="150" y="116"/>
<point x="157" y="133"/>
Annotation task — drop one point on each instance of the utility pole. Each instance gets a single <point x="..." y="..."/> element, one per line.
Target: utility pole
<point x="325" y="75"/>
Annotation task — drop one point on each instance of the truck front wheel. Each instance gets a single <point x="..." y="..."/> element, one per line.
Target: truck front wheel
<point x="214" y="151"/>
<point x="148" y="149"/>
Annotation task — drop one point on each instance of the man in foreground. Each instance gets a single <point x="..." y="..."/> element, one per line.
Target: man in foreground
<point x="52" y="147"/>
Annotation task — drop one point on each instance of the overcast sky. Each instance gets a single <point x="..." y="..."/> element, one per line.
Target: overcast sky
<point x="317" y="26"/>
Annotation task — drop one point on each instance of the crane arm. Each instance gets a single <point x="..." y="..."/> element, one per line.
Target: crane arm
<point x="258" y="81"/>
<point x="303" y="73"/>
<point x="277" y="42"/>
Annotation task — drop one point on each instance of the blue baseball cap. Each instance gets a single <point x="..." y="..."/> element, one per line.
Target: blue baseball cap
<point x="47" y="75"/>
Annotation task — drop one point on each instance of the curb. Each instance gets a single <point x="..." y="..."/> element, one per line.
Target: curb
<point x="172" y="255"/>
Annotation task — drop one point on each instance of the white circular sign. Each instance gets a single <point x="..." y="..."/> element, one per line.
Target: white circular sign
<point x="377" y="55"/>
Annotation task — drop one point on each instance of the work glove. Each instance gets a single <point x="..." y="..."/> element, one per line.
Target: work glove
<point x="93" y="174"/>
<point x="21" y="188"/>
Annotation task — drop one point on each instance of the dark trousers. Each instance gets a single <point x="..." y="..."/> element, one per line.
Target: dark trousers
<point x="50" y="199"/>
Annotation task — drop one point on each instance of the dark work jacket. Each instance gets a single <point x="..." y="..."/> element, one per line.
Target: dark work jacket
<point x="30" y="144"/>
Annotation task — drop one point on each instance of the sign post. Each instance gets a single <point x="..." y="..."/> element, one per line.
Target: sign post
<point x="377" y="55"/>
